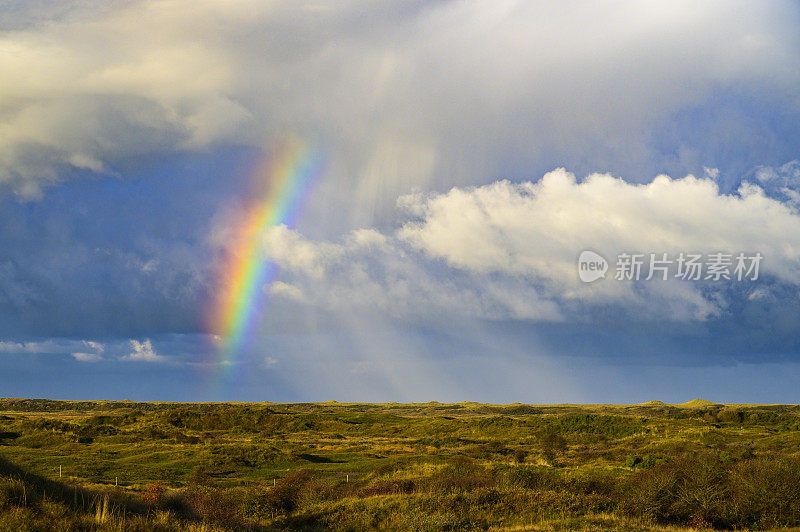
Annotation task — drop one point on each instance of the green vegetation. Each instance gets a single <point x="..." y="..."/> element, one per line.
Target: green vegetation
<point x="265" y="466"/>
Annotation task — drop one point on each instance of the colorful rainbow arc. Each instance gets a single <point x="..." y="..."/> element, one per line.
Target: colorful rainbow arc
<point x="281" y="184"/>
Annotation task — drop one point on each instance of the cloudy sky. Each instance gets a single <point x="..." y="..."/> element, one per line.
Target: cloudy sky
<point x="470" y="151"/>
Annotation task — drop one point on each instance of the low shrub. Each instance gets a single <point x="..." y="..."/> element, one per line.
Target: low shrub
<point x="765" y="493"/>
<point x="755" y="493"/>
<point x="214" y="505"/>
<point x="678" y="491"/>
<point x="154" y="493"/>
<point x="532" y="479"/>
<point x="389" y="487"/>
<point x="285" y="494"/>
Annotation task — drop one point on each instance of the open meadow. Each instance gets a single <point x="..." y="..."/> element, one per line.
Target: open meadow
<point x="432" y="466"/>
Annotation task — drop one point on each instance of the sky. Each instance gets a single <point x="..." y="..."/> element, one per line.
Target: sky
<point x="354" y="200"/>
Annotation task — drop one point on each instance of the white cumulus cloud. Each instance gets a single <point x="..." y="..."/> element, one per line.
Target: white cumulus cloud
<point x="87" y="357"/>
<point x="143" y="352"/>
<point x="509" y="250"/>
<point x="537" y="229"/>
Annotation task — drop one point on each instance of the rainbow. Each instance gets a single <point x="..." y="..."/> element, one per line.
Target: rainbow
<point x="279" y="185"/>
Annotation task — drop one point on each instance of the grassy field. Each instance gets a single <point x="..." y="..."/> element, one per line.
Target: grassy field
<point x="266" y="466"/>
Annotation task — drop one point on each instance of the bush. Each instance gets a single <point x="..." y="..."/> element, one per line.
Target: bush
<point x="214" y="505"/>
<point x="603" y="483"/>
<point x="489" y="450"/>
<point x="553" y="444"/>
<point x="765" y="493"/>
<point x="533" y="479"/>
<point x="648" y="461"/>
<point x="283" y="497"/>
<point x="520" y="455"/>
<point x="632" y="461"/>
<point x="154" y="493"/>
<point x="678" y="491"/>
<point x="242" y="455"/>
<point x="755" y="493"/>
<point x="93" y="431"/>
<point x="255" y="505"/>
<point x="322" y="490"/>
<point x="608" y="425"/>
<point x="461" y="475"/>
<point x="180" y="437"/>
<point x="389" y="468"/>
